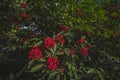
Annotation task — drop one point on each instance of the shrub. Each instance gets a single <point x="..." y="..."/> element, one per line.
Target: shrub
<point x="61" y="40"/>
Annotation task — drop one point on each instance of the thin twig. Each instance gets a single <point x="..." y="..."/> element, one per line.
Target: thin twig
<point x="20" y="72"/>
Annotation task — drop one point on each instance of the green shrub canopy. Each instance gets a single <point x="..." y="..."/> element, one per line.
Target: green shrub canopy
<point x="59" y="40"/>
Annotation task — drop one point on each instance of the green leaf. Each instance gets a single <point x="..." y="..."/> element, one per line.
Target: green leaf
<point x="70" y="74"/>
<point x="59" y="53"/>
<point x="96" y="71"/>
<point x="37" y="44"/>
<point x="52" y="75"/>
<point x="31" y="62"/>
<point x="36" y="68"/>
<point x="42" y="60"/>
<point x="75" y="74"/>
<point x="55" y="48"/>
<point x="65" y="78"/>
<point x="13" y="31"/>
<point x="52" y="51"/>
<point x="47" y="52"/>
<point x="58" y="77"/>
<point x="34" y="39"/>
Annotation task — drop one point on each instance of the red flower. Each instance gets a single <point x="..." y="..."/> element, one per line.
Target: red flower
<point x="89" y="46"/>
<point x="80" y="40"/>
<point x="113" y="8"/>
<point x="72" y="52"/>
<point x="59" y="39"/>
<point x="17" y="28"/>
<point x="25" y="15"/>
<point x="52" y="63"/>
<point x="49" y="42"/>
<point x="35" y="53"/>
<point x="24" y="39"/>
<point x="84" y="51"/>
<point x="64" y="28"/>
<point x="23" y="5"/>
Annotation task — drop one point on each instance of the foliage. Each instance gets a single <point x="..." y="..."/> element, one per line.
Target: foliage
<point x="59" y="39"/>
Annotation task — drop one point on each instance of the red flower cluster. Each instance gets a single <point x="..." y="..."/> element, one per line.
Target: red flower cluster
<point x="23" y="5"/>
<point x="49" y="42"/>
<point x="52" y="63"/>
<point x="25" y="15"/>
<point x="80" y="40"/>
<point x="84" y="51"/>
<point x="59" y="39"/>
<point x="72" y="52"/>
<point x="35" y="53"/>
<point x="64" y="28"/>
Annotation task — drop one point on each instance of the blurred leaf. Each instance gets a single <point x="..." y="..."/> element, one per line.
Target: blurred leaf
<point x="31" y="62"/>
<point x="51" y="76"/>
<point x="36" y="68"/>
<point x="58" y="77"/>
<point x="59" y="53"/>
<point x="95" y="71"/>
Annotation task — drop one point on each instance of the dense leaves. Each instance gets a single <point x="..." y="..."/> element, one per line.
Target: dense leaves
<point x="59" y="39"/>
